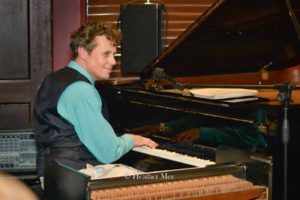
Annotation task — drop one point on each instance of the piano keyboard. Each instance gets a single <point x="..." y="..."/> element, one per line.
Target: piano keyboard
<point x="173" y="156"/>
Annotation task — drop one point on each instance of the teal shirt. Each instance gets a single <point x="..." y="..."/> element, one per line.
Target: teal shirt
<point x="80" y="104"/>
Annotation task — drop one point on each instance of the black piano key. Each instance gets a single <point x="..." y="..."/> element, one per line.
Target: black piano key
<point x="193" y="150"/>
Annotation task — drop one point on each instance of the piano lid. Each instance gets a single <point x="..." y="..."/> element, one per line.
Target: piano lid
<point x="235" y="36"/>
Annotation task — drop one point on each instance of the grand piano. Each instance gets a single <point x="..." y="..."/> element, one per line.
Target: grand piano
<point x="232" y="38"/>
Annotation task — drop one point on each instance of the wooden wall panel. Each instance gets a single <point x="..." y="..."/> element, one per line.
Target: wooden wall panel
<point x="17" y="91"/>
<point x="25" y="55"/>
<point x="179" y="15"/>
<point x="15" y="116"/>
<point x="14" y="39"/>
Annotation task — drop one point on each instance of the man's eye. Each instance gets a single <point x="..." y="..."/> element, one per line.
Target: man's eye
<point x="106" y="54"/>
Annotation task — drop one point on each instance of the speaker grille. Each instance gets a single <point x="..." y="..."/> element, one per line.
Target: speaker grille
<point x="141" y="26"/>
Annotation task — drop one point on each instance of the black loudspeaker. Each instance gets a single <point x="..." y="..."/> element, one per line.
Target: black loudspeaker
<point x="142" y="30"/>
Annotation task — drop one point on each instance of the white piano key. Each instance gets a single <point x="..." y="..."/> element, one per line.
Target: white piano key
<point x="174" y="156"/>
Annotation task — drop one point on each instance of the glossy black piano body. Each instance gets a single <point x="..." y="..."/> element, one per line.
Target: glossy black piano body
<point x="233" y="36"/>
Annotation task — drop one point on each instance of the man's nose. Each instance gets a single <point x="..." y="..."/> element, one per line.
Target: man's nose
<point x="113" y="60"/>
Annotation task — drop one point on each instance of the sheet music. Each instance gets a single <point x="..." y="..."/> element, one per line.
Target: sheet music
<point x="109" y="171"/>
<point x="222" y="93"/>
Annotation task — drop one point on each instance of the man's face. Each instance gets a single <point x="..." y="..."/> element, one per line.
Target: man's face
<point x="100" y="61"/>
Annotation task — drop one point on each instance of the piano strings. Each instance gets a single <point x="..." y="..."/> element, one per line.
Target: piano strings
<point x="203" y="188"/>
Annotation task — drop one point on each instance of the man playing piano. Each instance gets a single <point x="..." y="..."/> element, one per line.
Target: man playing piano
<point x="70" y="118"/>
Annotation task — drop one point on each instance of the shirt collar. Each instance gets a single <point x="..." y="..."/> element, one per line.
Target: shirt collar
<point x="74" y="65"/>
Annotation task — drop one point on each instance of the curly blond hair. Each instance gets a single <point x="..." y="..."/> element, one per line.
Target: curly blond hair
<point x="84" y="36"/>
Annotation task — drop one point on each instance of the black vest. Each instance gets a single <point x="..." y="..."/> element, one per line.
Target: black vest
<point x="56" y="137"/>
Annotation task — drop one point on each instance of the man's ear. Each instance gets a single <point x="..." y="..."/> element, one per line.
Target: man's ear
<point x="82" y="53"/>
